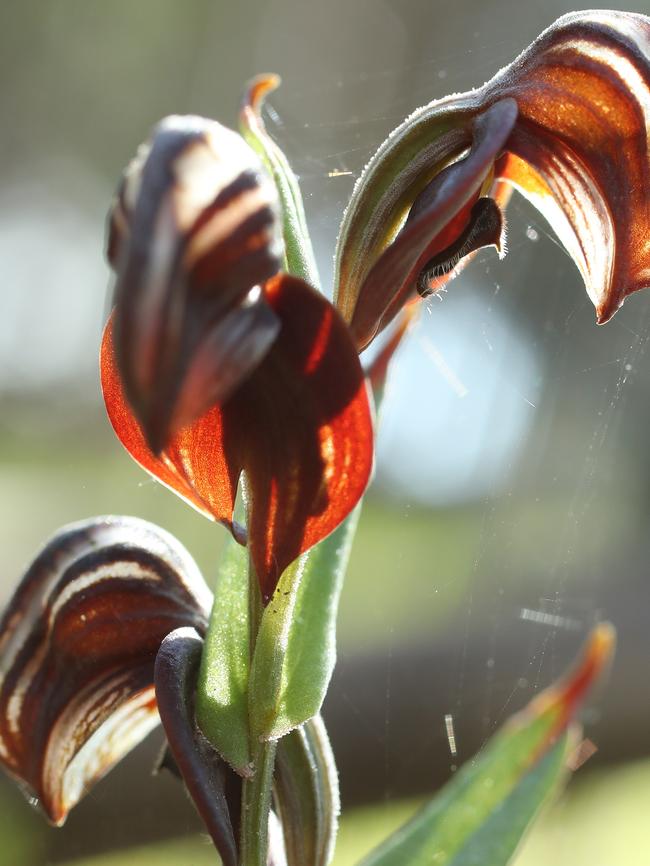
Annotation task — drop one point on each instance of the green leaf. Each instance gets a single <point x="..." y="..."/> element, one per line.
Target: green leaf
<point x="295" y="650"/>
<point x="299" y="255"/>
<point x="499" y="836"/>
<point x="222" y="694"/>
<point x="307" y="794"/>
<point x="479" y="818"/>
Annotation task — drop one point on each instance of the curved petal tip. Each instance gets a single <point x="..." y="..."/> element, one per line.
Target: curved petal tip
<point x="78" y="642"/>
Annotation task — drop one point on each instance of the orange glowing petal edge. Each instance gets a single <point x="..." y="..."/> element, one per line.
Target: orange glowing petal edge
<point x="192" y="465"/>
<point x="300" y="428"/>
<point x="310" y="467"/>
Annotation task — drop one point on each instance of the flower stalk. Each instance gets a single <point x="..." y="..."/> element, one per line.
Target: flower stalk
<point x="257" y="789"/>
<point x="256" y="806"/>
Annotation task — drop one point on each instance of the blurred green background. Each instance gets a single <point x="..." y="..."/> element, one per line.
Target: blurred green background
<point x="512" y="495"/>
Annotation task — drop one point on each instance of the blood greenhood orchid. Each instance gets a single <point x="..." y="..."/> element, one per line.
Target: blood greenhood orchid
<point x="215" y="364"/>
<point x="78" y="642"/>
<point x="565" y="123"/>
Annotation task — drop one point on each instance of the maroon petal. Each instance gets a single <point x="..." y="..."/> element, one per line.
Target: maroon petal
<point x="234" y="347"/>
<point x="578" y="150"/>
<point x="78" y="642"/>
<point x="300" y="428"/>
<point x="202" y="770"/>
<point x="583" y="91"/>
<point x="192" y="231"/>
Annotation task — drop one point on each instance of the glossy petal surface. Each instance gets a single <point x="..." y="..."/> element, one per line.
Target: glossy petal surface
<point x="583" y="91"/>
<point x="193" y="230"/>
<point x="300" y="428"/>
<point x="578" y="150"/>
<point x="78" y="642"/>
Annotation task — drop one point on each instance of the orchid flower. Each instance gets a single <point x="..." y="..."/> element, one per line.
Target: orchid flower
<point x="100" y="642"/>
<point x="78" y="642"/>
<point x="565" y="124"/>
<point x="214" y="363"/>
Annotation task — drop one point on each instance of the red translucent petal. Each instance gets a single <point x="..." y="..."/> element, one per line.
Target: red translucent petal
<point x="193" y="464"/>
<point x="300" y="428"/>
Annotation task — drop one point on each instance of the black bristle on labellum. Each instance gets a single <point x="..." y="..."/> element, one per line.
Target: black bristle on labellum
<point x="485" y="228"/>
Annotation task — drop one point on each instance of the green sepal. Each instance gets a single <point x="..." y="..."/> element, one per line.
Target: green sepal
<point x="299" y="255"/>
<point x="414" y="153"/>
<point x="480" y="816"/>
<point x="295" y="650"/>
<point x="222" y="692"/>
<point x="307" y="795"/>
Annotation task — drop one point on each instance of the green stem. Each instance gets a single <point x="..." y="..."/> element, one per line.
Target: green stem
<point x="256" y="805"/>
<point x="256" y="791"/>
<point x="255" y="608"/>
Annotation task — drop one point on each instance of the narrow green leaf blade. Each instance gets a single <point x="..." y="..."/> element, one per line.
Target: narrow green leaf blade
<point x="300" y="260"/>
<point x="480" y="816"/>
<point x="471" y="815"/>
<point x="295" y="651"/>
<point x="222" y="694"/>
<point x="307" y="794"/>
<point x="498" y="838"/>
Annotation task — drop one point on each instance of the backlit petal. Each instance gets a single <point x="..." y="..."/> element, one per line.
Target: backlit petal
<point x="192" y="231"/>
<point x="300" y="428"/>
<point x="78" y="642"/>
<point x="578" y="150"/>
<point x="583" y="91"/>
<point x="192" y="464"/>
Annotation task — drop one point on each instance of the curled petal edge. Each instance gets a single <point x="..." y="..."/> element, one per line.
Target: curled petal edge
<point x="78" y="642"/>
<point x="300" y="429"/>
